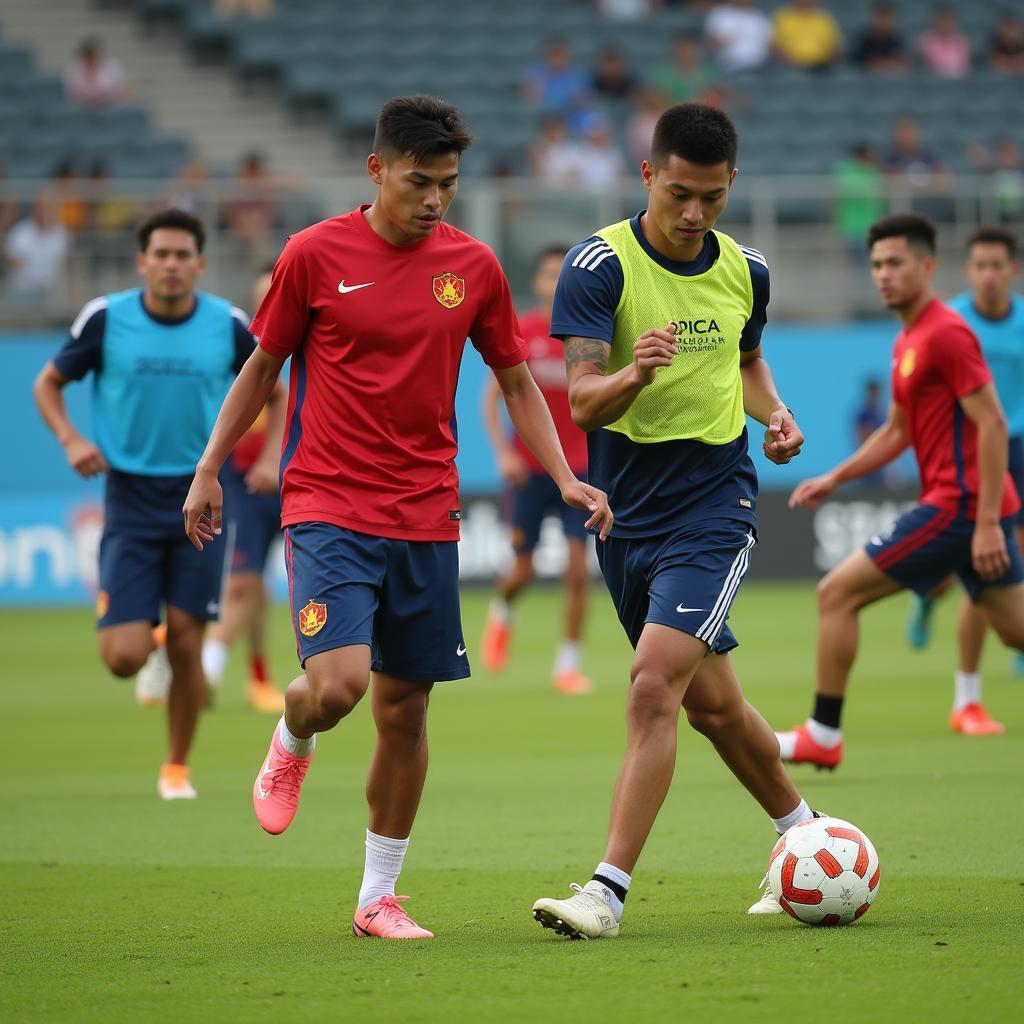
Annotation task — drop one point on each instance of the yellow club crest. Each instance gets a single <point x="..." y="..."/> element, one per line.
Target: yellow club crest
<point x="907" y="362"/>
<point x="312" y="618"/>
<point x="449" y="289"/>
<point x="102" y="604"/>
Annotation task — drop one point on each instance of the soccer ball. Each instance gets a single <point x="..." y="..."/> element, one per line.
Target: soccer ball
<point x="824" y="871"/>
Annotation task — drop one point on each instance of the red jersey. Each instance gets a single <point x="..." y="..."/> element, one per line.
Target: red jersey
<point x="376" y="333"/>
<point x="936" y="362"/>
<point x="546" y="360"/>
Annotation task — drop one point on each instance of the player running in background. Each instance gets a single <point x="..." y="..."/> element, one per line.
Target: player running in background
<point x="996" y="315"/>
<point x="535" y="494"/>
<point x="664" y="407"/>
<point x="375" y="307"/>
<point x="944" y="406"/>
<point x="162" y="357"/>
<point x="250" y="479"/>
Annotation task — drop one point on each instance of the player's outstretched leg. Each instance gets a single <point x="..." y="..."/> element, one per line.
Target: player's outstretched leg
<point x="567" y="677"/>
<point x="394" y="786"/>
<point x="334" y="683"/>
<point x="715" y="707"/>
<point x="850" y="586"/>
<point x="494" y="645"/>
<point x="968" y="714"/>
<point x="185" y="701"/>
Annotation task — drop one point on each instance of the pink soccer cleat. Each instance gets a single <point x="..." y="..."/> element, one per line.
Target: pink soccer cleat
<point x="974" y="720"/>
<point x="798" y="747"/>
<point x="275" y="793"/>
<point x="385" y="919"/>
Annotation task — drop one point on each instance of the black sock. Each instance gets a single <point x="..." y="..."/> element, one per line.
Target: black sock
<point x="614" y="886"/>
<point x="827" y="710"/>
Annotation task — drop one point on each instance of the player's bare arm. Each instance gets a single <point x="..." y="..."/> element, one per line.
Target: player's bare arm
<point x="597" y="400"/>
<point x="532" y="420"/>
<point x="82" y="455"/>
<point x="248" y="395"/>
<point x="890" y="440"/>
<point x="510" y="463"/>
<point x="988" y="546"/>
<point x="264" y="474"/>
<point x="783" y="439"/>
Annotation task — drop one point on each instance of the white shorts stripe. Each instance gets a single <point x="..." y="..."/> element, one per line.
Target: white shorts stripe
<point x="588" y="249"/>
<point x="711" y="626"/>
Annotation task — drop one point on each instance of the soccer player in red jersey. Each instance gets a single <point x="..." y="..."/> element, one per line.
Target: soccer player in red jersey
<point x="375" y="307"/>
<point x="944" y="406"/>
<point x="534" y="494"/>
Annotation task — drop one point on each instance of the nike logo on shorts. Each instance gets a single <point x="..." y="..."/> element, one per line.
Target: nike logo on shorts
<point x="346" y="288"/>
<point x="683" y="611"/>
<point x="460" y="650"/>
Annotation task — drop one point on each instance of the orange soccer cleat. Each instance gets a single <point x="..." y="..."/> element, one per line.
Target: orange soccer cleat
<point x="265" y="697"/>
<point x="385" y="919"/>
<point x="572" y="682"/>
<point x="798" y="747"/>
<point x="494" y="645"/>
<point x="974" y="720"/>
<point x="174" y="783"/>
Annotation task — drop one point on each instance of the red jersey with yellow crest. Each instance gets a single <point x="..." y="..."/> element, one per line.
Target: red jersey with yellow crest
<point x="936" y="362"/>
<point x="376" y="333"/>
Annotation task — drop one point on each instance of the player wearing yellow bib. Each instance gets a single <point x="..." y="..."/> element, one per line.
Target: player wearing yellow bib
<point x="662" y="318"/>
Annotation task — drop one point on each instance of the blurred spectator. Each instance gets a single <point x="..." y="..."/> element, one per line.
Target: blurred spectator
<point x="860" y="197"/>
<point x="806" y="36"/>
<point x="552" y="157"/>
<point x="612" y="79"/>
<point x="740" y="35"/>
<point x="868" y="418"/>
<point x="36" y="250"/>
<point x="555" y="83"/>
<point x="8" y="206"/>
<point x="599" y="161"/>
<point x="909" y="160"/>
<point x="879" y="47"/>
<point x="253" y="8"/>
<point x="1006" y="50"/>
<point x="253" y="204"/>
<point x="93" y="79"/>
<point x="1006" y="172"/>
<point x="190" y="191"/>
<point x="640" y="127"/>
<point x="109" y="213"/>
<point x="687" y="75"/>
<point x="626" y="10"/>
<point x="945" y="50"/>
<point x="72" y="209"/>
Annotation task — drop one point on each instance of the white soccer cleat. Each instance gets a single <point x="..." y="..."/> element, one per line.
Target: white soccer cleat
<point x="153" y="682"/>
<point x="767" y="904"/>
<point x="587" y="915"/>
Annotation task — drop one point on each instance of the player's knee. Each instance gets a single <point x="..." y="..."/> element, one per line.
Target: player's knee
<point x="184" y="649"/>
<point x="335" y="696"/>
<point x="122" y="660"/>
<point x="406" y="719"/>
<point x="651" y="697"/>
<point x="832" y="595"/>
<point x="716" y="722"/>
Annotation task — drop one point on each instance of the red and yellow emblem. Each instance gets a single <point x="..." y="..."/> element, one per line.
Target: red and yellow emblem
<point x="102" y="604"/>
<point x="449" y="289"/>
<point x="908" y="362"/>
<point x="312" y="618"/>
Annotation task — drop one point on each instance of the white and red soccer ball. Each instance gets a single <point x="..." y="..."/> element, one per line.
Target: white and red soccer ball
<point x="824" y="871"/>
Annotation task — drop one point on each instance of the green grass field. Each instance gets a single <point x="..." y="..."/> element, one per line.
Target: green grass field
<point x="118" y="907"/>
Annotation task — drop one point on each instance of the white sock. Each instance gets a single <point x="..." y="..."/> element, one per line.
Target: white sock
<point x="384" y="858"/>
<point x="966" y="689"/>
<point x="501" y="610"/>
<point x="568" y="656"/>
<point x="786" y="822"/>
<point x="215" y="659"/>
<point x="823" y="735"/>
<point x="619" y="877"/>
<point x="298" y="746"/>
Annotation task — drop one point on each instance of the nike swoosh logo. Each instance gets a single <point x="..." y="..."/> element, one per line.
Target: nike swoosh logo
<point x="460" y="650"/>
<point x="682" y="610"/>
<point x="346" y="288"/>
<point x="260" y="791"/>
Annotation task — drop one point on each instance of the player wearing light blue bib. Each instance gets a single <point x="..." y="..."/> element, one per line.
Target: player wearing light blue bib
<point x="996" y="315"/>
<point x="162" y="358"/>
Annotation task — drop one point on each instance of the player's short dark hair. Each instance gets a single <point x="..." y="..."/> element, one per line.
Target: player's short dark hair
<point x="696" y="132"/>
<point x="990" y="234"/>
<point x="917" y="229"/>
<point x="549" y="251"/>
<point x="179" y="220"/>
<point x="420" y="127"/>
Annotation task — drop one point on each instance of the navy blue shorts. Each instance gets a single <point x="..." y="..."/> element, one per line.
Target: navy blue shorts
<point x="400" y="597"/>
<point x="687" y="579"/>
<point x="927" y="544"/>
<point x="253" y="519"/>
<point x="1016" y="467"/>
<point x="145" y="558"/>
<point x="532" y="501"/>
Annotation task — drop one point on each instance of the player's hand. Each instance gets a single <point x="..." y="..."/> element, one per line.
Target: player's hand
<point x="263" y="476"/>
<point x="783" y="438"/>
<point x="202" y="509"/>
<point x="811" y="493"/>
<point x="652" y="349"/>
<point x="590" y="499"/>
<point x="84" y="457"/>
<point x="512" y="467"/>
<point x="988" y="551"/>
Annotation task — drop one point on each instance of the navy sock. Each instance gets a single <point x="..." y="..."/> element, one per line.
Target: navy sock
<point x="827" y="710"/>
